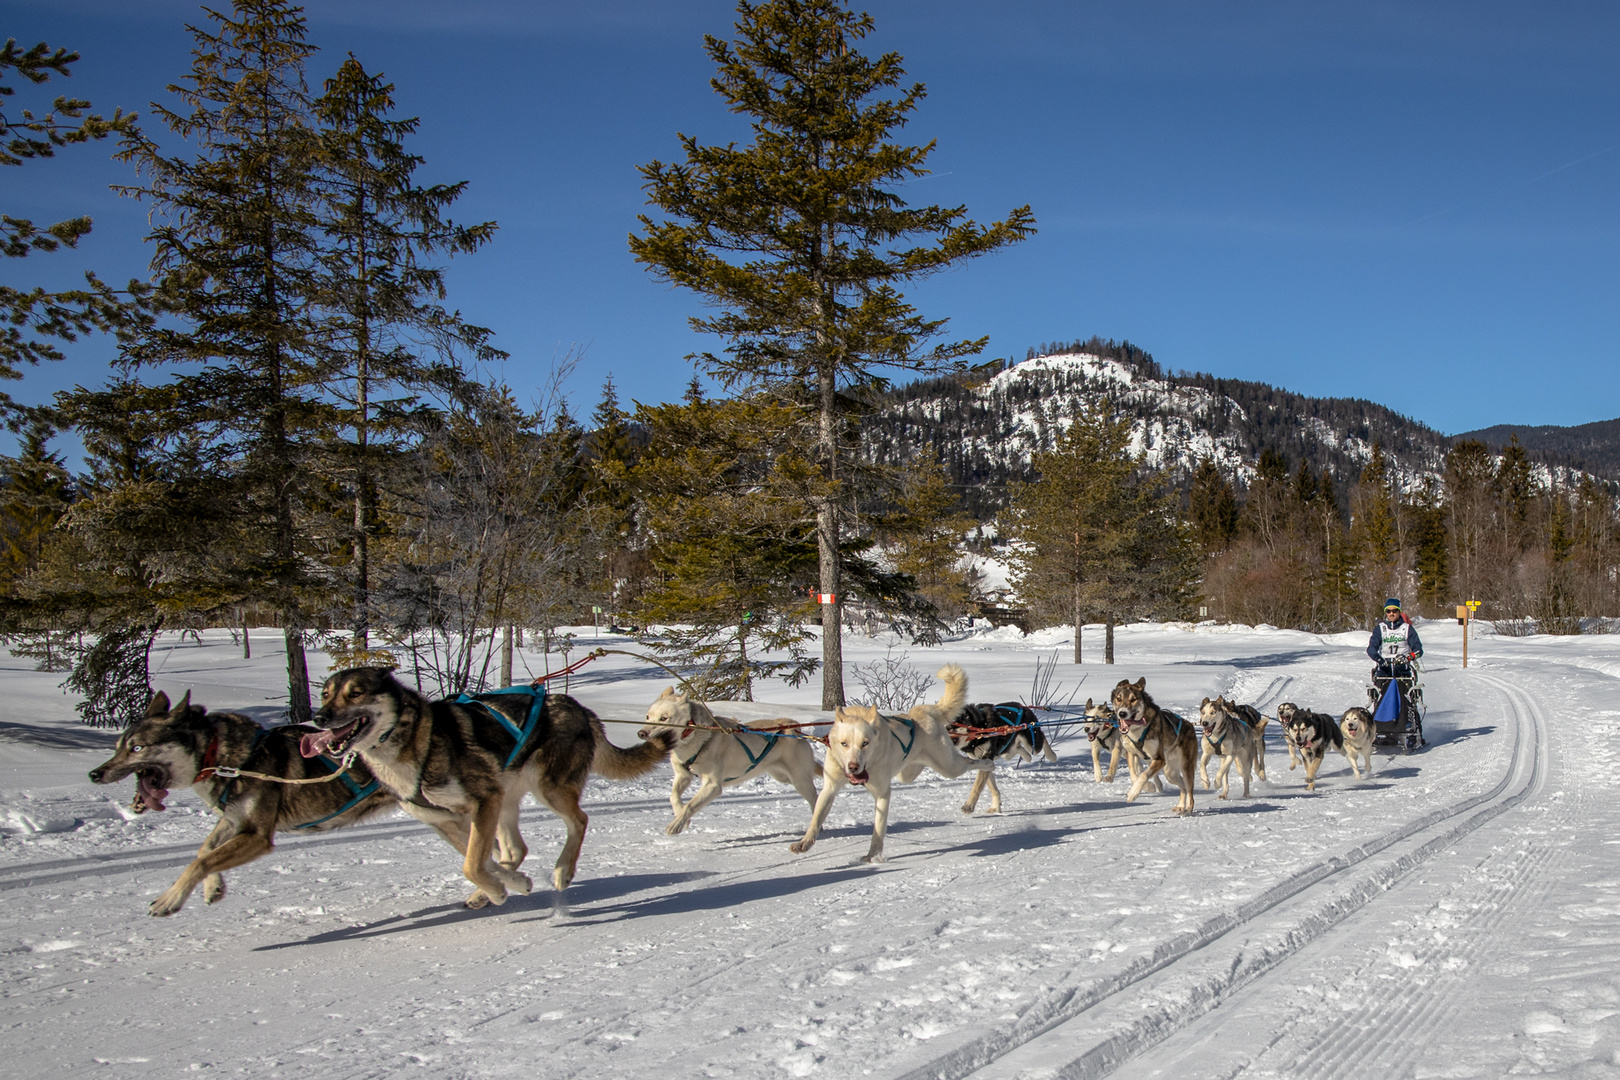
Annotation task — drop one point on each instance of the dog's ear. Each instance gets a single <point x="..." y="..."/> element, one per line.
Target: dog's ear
<point x="1140" y="684"/>
<point x="185" y="703"/>
<point x="669" y="692"/>
<point x="159" y="705"/>
<point x="1201" y="704"/>
<point x="1090" y="704"/>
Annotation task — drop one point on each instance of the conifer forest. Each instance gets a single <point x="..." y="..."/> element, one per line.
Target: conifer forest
<point x="300" y="439"/>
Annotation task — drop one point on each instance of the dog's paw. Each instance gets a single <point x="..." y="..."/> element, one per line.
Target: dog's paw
<point x="521" y="884"/>
<point x="478" y="900"/>
<point x="675" y="828"/>
<point x="167" y="904"/>
<point x="562" y="877"/>
<point x="213" y="889"/>
<point x="799" y="847"/>
<point x="873" y="857"/>
<point x="967" y="808"/>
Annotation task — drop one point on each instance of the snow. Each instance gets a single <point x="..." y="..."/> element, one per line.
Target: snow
<point x="1455" y="915"/>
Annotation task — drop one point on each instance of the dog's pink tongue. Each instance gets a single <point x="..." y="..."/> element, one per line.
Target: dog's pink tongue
<point x="315" y="743"/>
<point x="151" y="794"/>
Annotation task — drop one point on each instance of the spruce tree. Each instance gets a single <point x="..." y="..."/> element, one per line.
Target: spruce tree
<point x="35" y="491"/>
<point x="1212" y="508"/>
<point x="801" y="240"/>
<point x="236" y="242"/>
<point x="384" y="335"/>
<point x="1074" y="528"/>
<point x="35" y="319"/>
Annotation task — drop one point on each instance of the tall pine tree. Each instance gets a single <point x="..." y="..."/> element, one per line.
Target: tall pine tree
<point x="236" y="241"/>
<point x="801" y="239"/>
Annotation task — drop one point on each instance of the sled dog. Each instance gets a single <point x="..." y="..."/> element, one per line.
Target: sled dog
<point x="719" y="752"/>
<point x="454" y="761"/>
<point x="1160" y="740"/>
<point x="1102" y="732"/>
<point x="1236" y="733"/>
<point x="187" y="746"/>
<point x="870" y="750"/>
<point x="1313" y="734"/>
<point x="1024" y="741"/>
<point x="1358" y="732"/>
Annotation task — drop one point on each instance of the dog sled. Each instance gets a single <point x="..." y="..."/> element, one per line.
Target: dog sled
<point x="1396" y="702"/>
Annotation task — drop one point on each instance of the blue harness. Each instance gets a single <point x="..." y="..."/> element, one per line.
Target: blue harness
<point x="537" y="696"/>
<point x="359" y="792"/>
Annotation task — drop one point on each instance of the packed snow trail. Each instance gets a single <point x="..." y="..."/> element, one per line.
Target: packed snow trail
<point x="718" y="953"/>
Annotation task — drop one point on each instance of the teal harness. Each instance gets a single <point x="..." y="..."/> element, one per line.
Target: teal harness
<point x="359" y="792"/>
<point x="771" y="739"/>
<point x="911" y="726"/>
<point x="537" y="696"/>
<point x="1139" y="743"/>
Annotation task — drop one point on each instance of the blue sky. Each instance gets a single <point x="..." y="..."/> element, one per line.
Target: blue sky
<point x="1409" y="202"/>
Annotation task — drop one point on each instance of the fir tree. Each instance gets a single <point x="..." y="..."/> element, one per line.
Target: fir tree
<point x="1074" y="528"/>
<point x="35" y="491"/>
<point x="801" y="240"/>
<point x="236" y="244"/>
<point x="381" y="294"/>
<point x="1432" y="550"/>
<point x="926" y="534"/>
<point x="735" y="554"/>
<point x="1212" y="508"/>
<point x="35" y="318"/>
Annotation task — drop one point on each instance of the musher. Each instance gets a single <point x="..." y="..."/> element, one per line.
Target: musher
<point x="1393" y="647"/>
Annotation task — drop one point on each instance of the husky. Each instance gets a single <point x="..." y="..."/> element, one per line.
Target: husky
<point x="870" y="750"/>
<point x="1358" y="732"/>
<point x="1102" y="732"/>
<point x="187" y="746"/>
<point x="1313" y="734"/>
<point x="1249" y="715"/>
<point x="468" y="760"/>
<point x="1161" y="740"/>
<point x="721" y="752"/>
<point x="1024" y="741"/>
<point x="1237" y="734"/>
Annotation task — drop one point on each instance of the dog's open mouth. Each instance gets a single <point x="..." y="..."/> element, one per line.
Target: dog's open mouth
<point x="151" y="788"/>
<point x="857" y="776"/>
<point x="333" y="741"/>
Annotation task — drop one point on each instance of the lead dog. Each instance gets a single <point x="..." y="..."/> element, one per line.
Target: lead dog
<point x="1022" y="738"/>
<point x="454" y="761"/>
<point x="721" y="752"/>
<point x="1161" y="740"/>
<point x="187" y="746"/>
<point x="1102" y="732"/>
<point x="1356" y="727"/>
<point x="870" y="750"/>
<point x="1313" y="734"/>
<point x="1237" y="734"/>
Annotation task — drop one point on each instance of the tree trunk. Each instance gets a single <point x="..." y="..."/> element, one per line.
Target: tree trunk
<point x="832" y="642"/>
<point x="1108" y="639"/>
<point x="247" y="646"/>
<point x="506" y="655"/>
<point x="1079" y="624"/>
<point x="298" y="706"/>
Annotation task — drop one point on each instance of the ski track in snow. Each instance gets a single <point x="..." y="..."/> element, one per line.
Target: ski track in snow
<point x="1452" y="916"/>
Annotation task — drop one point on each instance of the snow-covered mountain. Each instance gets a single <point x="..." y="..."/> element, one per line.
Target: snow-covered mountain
<point x="985" y="433"/>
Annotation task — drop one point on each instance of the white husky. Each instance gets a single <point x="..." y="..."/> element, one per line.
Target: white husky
<point x="869" y="749"/>
<point x="721" y="752"/>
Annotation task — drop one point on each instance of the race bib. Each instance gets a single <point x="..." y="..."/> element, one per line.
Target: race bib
<point x="1394" y="644"/>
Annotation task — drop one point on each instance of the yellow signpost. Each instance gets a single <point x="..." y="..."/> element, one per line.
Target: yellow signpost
<point x="1465" y="614"/>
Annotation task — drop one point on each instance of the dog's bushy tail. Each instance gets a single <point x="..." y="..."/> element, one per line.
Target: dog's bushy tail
<point x="954" y="699"/>
<point x="619" y="763"/>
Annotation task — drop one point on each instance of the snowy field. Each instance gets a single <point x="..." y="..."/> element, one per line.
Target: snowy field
<point x="1457" y="915"/>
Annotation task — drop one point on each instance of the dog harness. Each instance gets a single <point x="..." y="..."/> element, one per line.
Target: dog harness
<point x="211" y="771"/>
<point x="359" y="792"/>
<point x="1139" y="743"/>
<point x="911" y="726"/>
<point x="753" y="758"/>
<point x="537" y="696"/>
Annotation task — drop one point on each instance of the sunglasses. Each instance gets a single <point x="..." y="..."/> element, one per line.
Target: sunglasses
<point x="1391" y="610"/>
